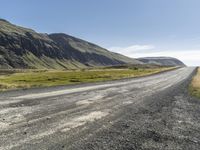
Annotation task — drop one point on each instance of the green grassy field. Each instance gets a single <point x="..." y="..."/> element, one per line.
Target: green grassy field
<point x="195" y="85"/>
<point x="18" y="79"/>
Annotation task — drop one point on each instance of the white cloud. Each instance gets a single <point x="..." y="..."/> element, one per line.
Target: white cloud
<point x="132" y="49"/>
<point x="190" y="57"/>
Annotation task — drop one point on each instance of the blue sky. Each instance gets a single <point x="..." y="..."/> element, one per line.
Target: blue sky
<point x="136" y="28"/>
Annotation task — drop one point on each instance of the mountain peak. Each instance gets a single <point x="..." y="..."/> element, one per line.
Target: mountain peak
<point x="3" y="20"/>
<point x="24" y="48"/>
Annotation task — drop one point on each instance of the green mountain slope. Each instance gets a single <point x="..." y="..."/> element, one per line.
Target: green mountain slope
<point x="24" y="48"/>
<point x="162" y="61"/>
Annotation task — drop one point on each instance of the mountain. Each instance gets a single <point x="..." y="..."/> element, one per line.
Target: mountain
<point x="162" y="61"/>
<point x="24" y="48"/>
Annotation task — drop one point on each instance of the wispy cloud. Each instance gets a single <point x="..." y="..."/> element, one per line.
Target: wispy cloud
<point x="132" y="49"/>
<point x="189" y="56"/>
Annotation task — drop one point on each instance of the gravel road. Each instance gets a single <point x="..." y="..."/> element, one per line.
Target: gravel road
<point x="153" y="112"/>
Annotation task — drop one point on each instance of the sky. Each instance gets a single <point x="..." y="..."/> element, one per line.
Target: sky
<point x="135" y="28"/>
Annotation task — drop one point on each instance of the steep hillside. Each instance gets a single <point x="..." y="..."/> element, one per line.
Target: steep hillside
<point x="88" y="53"/>
<point x="163" y="61"/>
<point x="24" y="48"/>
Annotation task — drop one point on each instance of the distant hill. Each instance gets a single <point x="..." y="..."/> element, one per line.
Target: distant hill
<point x="163" y="61"/>
<point x="24" y="48"/>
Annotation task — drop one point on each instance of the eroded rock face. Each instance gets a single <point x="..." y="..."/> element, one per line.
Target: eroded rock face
<point x="25" y="48"/>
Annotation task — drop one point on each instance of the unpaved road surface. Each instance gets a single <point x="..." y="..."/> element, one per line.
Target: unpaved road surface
<point x="154" y="112"/>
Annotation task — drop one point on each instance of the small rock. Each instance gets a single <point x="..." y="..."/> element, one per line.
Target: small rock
<point x="48" y="118"/>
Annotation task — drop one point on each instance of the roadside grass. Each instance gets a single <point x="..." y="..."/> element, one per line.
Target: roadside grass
<point x="22" y="79"/>
<point x="195" y="85"/>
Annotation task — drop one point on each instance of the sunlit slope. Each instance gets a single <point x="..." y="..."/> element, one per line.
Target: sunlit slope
<point x="163" y="61"/>
<point x="24" y="48"/>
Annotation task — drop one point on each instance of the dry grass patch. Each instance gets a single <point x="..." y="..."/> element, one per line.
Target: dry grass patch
<point x="195" y="85"/>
